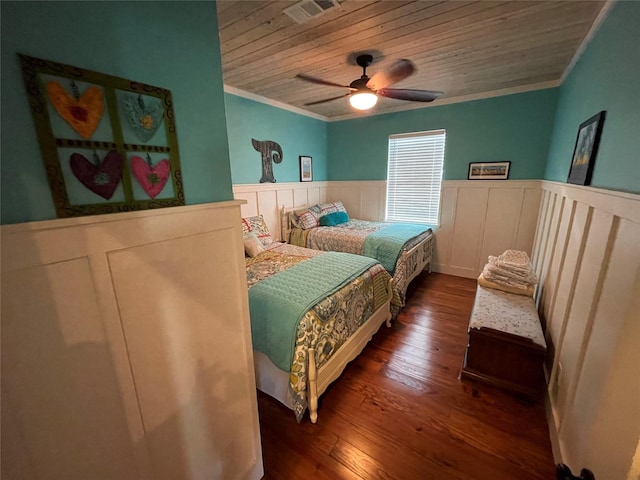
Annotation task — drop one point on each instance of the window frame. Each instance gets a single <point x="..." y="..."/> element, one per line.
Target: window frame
<point x="431" y="173"/>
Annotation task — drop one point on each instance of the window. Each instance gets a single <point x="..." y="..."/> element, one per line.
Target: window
<point x="414" y="177"/>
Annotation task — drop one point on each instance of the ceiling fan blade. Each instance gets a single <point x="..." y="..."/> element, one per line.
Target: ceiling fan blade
<point x="320" y="81"/>
<point x="408" y="94"/>
<point x="399" y="70"/>
<point x="327" y="99"/>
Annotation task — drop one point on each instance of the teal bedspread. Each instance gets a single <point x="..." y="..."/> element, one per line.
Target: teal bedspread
<point x="279" y="302"/>
<point x="385" y="244"/>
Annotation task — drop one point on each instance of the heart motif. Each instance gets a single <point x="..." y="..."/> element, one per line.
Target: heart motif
<point x="152" y="179"/>
<point x="143" y="119"/>
<point x="84" y="113"/>
<point x="101" y="179"/>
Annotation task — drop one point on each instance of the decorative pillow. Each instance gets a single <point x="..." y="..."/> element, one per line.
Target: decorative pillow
<point x="306" y="218"/>
<point x="339" y="206"/>
<point x="333" y="219"/>
<point x="256" y="224"/>
<point x="252" y="246"/>
<point x="326" y="208"/>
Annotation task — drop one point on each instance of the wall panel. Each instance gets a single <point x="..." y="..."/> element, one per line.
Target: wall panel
<point x="551" y="232"/>
<point x="267" y="199"/>
<point x="444" y="234"/>
<point x="587" y="291"/>
<point x="477" y="218"/>
<point x="501" y="222"/>
<point x="541" y="228"/>
<point x="468" y="230"/>
<point x="567" y="281"/>
<point x="117" y="359"/>
<point x="551" y="264"/>
<point x="589" y="296"/>
<point x="482" y="218"/>
<point x="527" y="220"/>
<point x="363" y="200"/>
<point x="72" y="394"/>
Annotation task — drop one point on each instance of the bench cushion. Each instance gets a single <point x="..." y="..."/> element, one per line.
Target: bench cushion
<point x="507" y="312"/>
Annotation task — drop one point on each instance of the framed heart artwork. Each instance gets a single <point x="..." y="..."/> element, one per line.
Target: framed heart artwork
<point x="108" y="144"/>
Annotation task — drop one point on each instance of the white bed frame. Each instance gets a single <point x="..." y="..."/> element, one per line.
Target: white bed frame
<point x="417" y="259"/>
<point x="275" y="382"/>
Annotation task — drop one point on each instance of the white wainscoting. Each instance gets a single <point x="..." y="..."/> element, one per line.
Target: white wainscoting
<point x="126" y="348"/>
<point x="267" y="199"/>
<point x="477" y="219"/>
<point x="363" y="200"/>
<point x="587" y="257"/>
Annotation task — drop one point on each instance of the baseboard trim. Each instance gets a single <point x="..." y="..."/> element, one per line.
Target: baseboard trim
<point x="553" y="431"/>
<point x="455" y="271"/>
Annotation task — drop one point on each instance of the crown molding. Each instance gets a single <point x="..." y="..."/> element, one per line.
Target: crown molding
<point x="460" y="99"/>
<point x="595" y="26"/>
<point x="272" y="103"/>
<point x="410" y="106"/>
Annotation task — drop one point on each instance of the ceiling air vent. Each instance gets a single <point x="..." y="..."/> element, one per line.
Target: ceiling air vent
<point x="307" y="9"/>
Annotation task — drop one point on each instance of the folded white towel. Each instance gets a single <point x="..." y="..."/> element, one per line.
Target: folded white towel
<point x="515" y="259"/>
<point x="512" y="268"/>
<point x="496" y="275"/>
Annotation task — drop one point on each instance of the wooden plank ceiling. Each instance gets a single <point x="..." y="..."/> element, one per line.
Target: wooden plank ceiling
<point x="464" y="49"/>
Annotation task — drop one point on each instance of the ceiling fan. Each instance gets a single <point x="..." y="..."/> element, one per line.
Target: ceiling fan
<point x="364" y="90"/>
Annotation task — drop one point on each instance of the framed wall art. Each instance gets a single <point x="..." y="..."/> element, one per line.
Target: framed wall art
<point x="306" y="169"/>
<point x="489" y="170"/>
<point x="108" y="144"/>
<point x="586" y="149"/>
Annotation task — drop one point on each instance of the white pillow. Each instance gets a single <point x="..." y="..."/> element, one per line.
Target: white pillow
<point x="252" y="245"/>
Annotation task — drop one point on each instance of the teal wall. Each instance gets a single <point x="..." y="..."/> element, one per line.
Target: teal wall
<point x="296" y="134"/>
<point x="167" y="44"/>
<point x="607" y="77"/>
<point x="513" y="127"/>
<point x="130" y="39"/>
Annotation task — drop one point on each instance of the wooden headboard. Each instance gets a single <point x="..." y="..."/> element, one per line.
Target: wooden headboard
<point x="286" y="223"/>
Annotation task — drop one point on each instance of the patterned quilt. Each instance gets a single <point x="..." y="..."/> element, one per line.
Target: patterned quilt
<point x="350" y="237"/>
<point x="329" y="323"/>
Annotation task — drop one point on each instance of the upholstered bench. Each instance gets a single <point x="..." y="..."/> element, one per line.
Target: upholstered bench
<point x="506" y="345"/>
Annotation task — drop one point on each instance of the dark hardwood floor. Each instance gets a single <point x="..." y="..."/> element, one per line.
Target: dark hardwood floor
<point x="400" y="411"/>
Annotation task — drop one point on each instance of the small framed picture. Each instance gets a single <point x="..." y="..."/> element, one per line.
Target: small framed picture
<point x="306" y="169"/>
<point x="586" y="149"/>
<point x="489" y="170"/>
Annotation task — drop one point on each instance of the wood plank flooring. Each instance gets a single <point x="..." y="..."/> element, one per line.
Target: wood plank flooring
<point x="400" y="411"/>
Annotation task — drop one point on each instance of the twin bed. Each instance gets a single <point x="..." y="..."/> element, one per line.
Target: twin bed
<point x="314" y="311"/>
<point x="404" y="250"/>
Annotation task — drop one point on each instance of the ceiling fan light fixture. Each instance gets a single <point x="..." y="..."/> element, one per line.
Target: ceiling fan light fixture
<point x="363" y="99"/>
<point x="364" y="91"/>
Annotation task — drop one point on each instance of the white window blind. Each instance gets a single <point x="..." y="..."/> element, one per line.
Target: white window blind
<point x="414" y="177"/>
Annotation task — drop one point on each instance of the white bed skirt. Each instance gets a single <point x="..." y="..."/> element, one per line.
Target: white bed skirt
<point x="271" y="380"/>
